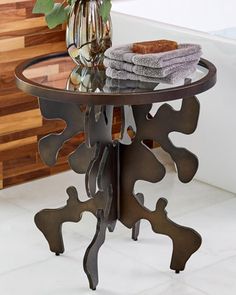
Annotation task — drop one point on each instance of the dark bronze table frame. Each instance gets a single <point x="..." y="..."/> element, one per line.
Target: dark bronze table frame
<point x="112" y="167"/>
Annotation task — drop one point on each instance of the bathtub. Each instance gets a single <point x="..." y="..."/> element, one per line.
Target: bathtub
<point x="214" y="142"/>
<point x="201" y="15"/>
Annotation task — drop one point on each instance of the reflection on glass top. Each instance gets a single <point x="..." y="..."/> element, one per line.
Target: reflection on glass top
<point x="61" y="73"/>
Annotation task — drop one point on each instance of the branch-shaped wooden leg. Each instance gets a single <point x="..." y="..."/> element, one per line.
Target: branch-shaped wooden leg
<point x="49" y="221"/>
<point x="91" y="255"/>
<point x="186" y="241"/>
<point x="136" y="227"/>
<point x="138" y="163"/>
<point x="102" y="205"/>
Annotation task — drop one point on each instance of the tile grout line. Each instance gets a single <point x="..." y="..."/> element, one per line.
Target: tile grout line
<point x="212" y="264"/>
<point x="139" y="261"/>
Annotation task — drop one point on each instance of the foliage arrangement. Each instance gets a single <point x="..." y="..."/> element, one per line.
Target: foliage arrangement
<point x="57" y="13"/>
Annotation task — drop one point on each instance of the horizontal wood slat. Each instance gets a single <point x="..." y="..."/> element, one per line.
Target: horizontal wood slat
<point x="47" y="127"/>
<point x="17" y="122"/>
<point x="30" y="52"/>
<point x="57" y="36"/>
<point x="25" y="106"/>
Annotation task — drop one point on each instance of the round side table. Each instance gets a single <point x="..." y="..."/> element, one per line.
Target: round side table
<point x="85" y="100"/>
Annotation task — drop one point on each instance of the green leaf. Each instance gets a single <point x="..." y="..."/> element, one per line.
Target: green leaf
<point x="43" y="6"/>
<point x="67" y="10"/>
<point x="57" y="16"/>
<point x="105" y="10"/>
<point x="71" y="2"/>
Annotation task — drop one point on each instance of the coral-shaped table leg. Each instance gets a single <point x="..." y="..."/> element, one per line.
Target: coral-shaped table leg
<point x="138" y="163"/>
<point x="97" y="158"/>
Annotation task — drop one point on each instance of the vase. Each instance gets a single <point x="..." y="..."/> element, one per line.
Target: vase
<point x="86" y="79"/>
<point x="87" y="35"/>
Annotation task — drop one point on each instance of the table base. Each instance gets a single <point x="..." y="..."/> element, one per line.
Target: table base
<point x="112" y="168"/>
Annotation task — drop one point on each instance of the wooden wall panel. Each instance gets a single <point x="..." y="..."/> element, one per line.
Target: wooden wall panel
<point x="22" y="36"/>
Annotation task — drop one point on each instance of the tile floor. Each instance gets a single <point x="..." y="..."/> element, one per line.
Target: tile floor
<point x="125" y="267"/>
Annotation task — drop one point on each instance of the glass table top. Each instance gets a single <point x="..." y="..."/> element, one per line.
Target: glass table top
<point x="61" y="73"/>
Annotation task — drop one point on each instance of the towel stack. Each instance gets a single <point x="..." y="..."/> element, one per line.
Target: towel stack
<point x="119" y="86"/>
<point x="164" y="67"/>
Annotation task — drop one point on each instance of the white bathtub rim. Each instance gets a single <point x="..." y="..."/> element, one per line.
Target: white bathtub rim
<point x="197" y="33"/>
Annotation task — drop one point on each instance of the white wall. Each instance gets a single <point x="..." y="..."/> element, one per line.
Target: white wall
<point x="203" y="15"/>
<point x="214" y="142"/>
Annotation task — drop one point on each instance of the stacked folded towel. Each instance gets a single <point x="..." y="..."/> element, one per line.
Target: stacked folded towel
<point x="164" y="67"/>
<point x="119" y="86"/>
